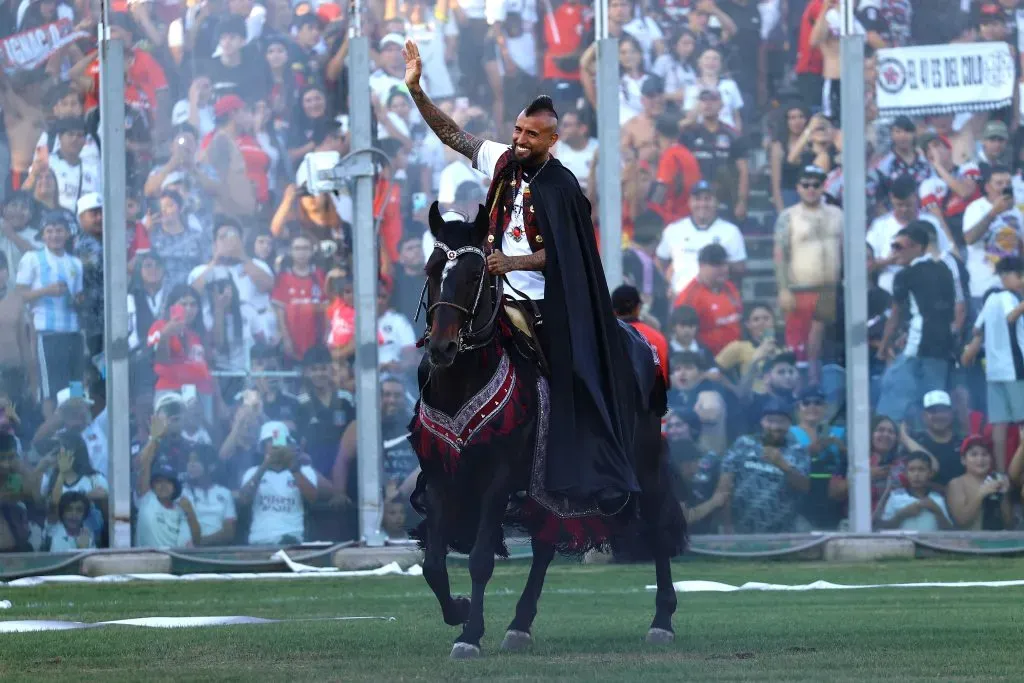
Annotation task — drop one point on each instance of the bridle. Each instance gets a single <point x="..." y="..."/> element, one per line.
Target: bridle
<point x="469" y="338"/>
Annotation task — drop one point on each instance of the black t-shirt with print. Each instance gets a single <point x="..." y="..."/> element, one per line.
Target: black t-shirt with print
<point x="320" y="427"/>
<point x="924" y="290"/>
<point x="717" y="153"/>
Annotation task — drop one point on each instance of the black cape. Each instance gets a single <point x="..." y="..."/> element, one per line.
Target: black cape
<point x="593" y="390"/>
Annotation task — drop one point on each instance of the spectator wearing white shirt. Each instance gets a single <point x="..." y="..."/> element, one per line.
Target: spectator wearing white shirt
<point x="69" y="532"/>
<point x="165" y="519"/>
<point x="905" y="209"/>
<point x="431" y="36"/>
<point x="278" y="490"/>
<point x="390" y="73"/>
<point x="74" y="473"/>
<point x="916" y="507"/>
<point x="647" y="32"/>
<point x="682" y="241"/>
<point x="993" y="230"/>
<point x="576" y="149"/>
<point x="397" y="340"/>
<point x="213" y="504"/>
<point x="50" y="280"/>
<point x="76" y="174"/>
<point x="517" y="63"/>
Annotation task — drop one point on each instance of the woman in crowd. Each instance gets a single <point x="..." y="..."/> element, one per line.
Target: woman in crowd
<point x="676" y="67"/>
<point x="632" y="77"/>
<point x="179" y="347"/>
<point x="789" y="143"/>
<point x="230" y="330"/>
<point x="178" y="237"/>
<point x="147" y="292"/>
<point x="341" y="317"/>
<point x="979" y="499"/>
<point x="744" y="359"/>
<point x="312" y="108"/>
<point x="213" y="504"/>
<point x="709" y="75"/>
<point x="46" y="192"/>
<point x="285" y="81"/>
<point x="299" y="300"/>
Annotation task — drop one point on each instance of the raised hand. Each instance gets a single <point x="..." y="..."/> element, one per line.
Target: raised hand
<point x="413" y="64"/>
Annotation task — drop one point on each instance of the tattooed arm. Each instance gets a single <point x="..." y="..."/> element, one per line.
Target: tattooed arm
<point x="443" y="126"/>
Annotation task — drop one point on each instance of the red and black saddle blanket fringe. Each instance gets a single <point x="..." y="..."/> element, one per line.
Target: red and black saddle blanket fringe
<point x="497" y="422"/>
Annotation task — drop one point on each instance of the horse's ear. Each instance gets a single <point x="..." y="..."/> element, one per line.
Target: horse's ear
<point x="481" y="224"/>
<point x="434" y="220"/>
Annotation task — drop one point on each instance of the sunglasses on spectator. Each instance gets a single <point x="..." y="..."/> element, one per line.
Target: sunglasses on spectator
<point x="810" y="186"/>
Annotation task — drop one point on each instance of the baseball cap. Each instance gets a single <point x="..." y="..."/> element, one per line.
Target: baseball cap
<point x="904" y="123"/>
<point x="811" y="393"/>
<point x="777" y="406"/>
<point x="89" y="201"/>
<point x="989" y="13"/>
<point x="275" y="432"/>
<point x="812" y="171"/>
<point x="701" y="187"/>
<point x="713" y="255"/>
<point x="972" y="441"/>
<point x="392" y="39"/>
<point x="996" y="129"/>
<point x="169" y="399"/>
<point x="328" y="12"/>
<point x="166" y="472"/>
<point x="180" y="113"/>
<point x="930" y="137"/>
<point x="937" y="399"/>
<point x="64" y="395"/>
<point x="652" y="86"/>
<point x="228" y="104"/>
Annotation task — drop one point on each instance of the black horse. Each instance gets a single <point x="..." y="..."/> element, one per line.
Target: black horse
<point x="480" y="429"/>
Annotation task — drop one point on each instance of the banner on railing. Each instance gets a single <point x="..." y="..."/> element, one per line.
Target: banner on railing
<point x="29" y="49"/>
<point x="944" y="79"/>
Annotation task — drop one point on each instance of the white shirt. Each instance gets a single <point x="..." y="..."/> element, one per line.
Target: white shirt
<point x="578" y="161"/>
<point x="90" y="152"/>
<point x="513" y="242"/>
<point x="159" y="526"/>
<point x="249" y="296"/>
<point x="38" y="269"/>
<point x="430" y="39"/>
<point x="73" y="181"/>
<point x="381" y="83"/>
<point x="277" y="506"/>
<point x="523" y="51"/>
<point x="880" y="235"/>
<point x="213" y="507"/>
<point x="84" y="485"/>
<point x="95" y="437"/>
<point x="646" y="32"/>
<point x="1002" y="239"/>
<point x="682" y="241"/>
<point x="395" y="333"/>
<point x="923" y="521"/>
<point x="61" y="541"/>
<point x="999" y="338"/>
<point x="732" y="100"/>
<point x="630" y="103"/>
<point x="453" y="175"/>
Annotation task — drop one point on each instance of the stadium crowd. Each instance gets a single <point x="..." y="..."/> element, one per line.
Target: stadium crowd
<point x="240" y="300"/>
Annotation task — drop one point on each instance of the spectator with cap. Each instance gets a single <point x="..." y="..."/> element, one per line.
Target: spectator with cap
<point x="808" y="256"/>
<point x="994" y="150"/>
<point x="165" y="519"/>
<point x="882" y="233"/>
<point x="905" y="159"/>
<point x="278" y="490"/>
<point x="1001" y="328"/>
<point x="390" y="73"/>
<point x="824" y="505"/>
<point x="683" y="241"/>
<point x="940" y="438"/>
<point x="720" y="152"/>
<point x="89" y="250"/>
<point x="222" y="151"/>
<point x="638" y="134"/>
<point x="716" y="300"/>
<point x="627" y="305"/>
<point x="993" y="230"/>
<point x="923" y="300"/>
<point x="50" y="281"/>
<point x="979" y="499"/>
<point x="765" y="476"/>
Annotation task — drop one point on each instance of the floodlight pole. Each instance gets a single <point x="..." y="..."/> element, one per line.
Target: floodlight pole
<point x="609" y="163"/>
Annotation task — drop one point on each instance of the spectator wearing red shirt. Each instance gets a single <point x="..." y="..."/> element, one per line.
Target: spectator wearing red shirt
<point x="177" y="343"/>
<point x="715" y="298"/>
<point x="627" y="304"/>
<point x="564" y="31"/>
<point x="809" y="62"/>
<point x="298" y="299"/>
<point x="678" y="172"/>
<point x="387" y="199"/>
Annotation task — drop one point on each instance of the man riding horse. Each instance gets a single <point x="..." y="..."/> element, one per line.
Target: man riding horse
<point x="542" y="240"/>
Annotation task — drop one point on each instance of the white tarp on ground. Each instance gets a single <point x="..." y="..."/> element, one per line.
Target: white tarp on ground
<point x="33" y="625"/>
<point x="716" y="587"/>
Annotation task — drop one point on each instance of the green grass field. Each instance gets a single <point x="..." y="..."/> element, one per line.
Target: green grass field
<point x="590" y="628"/>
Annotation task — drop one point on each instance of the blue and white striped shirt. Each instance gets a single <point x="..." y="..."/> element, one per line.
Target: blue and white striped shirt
<point x="43" y="268"/>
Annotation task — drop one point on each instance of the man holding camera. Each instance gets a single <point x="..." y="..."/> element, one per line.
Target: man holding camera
<point x="993" y="230"/>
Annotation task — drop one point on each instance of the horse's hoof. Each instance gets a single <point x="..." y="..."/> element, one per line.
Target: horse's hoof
<point x="659" y="636"/>
<point x="462" y="651"/>
<point x="459" y="613"/>
<point x="516" y="641"/>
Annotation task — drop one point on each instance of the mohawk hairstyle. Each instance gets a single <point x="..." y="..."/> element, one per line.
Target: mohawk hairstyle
<point x="540" y="105"/>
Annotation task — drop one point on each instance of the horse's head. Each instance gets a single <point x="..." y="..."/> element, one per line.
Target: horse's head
<point x="459" y="300"/>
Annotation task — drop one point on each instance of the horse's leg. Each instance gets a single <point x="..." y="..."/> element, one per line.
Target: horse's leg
<point x="435" y="563"/>
<point x="518" y="635"/>
<point x="481" y="560"/>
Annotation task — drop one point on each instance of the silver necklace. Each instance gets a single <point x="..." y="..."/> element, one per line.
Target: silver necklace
<point x="524" y="181"/>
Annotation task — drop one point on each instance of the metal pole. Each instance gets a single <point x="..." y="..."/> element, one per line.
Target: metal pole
<point x="609" y="164"/>
<point x="858" y="387"/>
<point x="364" y="261"/>
<point x="115" y="285"/>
